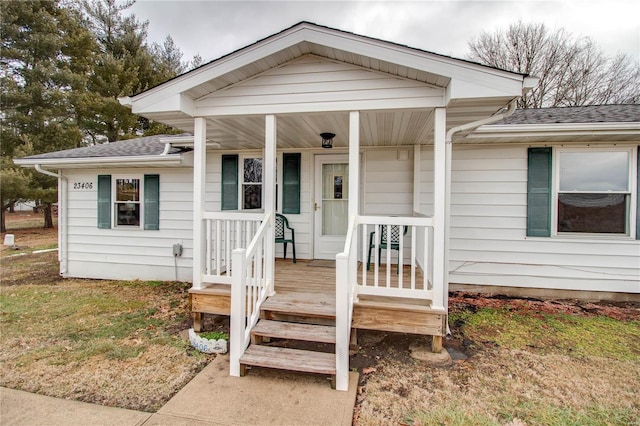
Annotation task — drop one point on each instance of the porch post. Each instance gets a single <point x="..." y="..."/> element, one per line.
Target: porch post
<point x="199" y="174"/>
<point x="269" y="196"/>
<point x="439" y="207"/>
<point x="354" y="163"/>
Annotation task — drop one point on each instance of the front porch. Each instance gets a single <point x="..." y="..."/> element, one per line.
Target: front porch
<point x="304" y="308"/>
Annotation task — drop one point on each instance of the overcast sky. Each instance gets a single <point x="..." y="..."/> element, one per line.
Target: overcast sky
<point x="215" y="28"/>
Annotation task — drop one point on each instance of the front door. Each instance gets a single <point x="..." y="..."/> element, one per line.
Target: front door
<point x="331" y="205"/>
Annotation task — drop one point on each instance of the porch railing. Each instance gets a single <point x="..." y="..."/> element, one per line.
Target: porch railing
<point x="346" y="266"/>
<point x="252" y="278"/>
<point x="412" y="251"/>
<point x="225" y="232"/>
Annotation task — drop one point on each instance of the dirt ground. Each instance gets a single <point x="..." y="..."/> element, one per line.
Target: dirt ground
<point x="493" y="379"/>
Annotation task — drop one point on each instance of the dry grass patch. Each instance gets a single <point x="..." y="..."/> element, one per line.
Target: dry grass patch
<point x="527" y="366"/>
<point x="114" y="343"/>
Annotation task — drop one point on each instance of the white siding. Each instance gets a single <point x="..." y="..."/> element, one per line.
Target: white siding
<point x="130" y="253"/>
<point x="317" y="84"/>
<point x="488" y="231"/>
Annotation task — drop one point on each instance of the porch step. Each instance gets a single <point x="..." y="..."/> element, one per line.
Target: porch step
<point x="289" y="359"/>
<point x="295" y="331"/>
<point x="301" y="304"/>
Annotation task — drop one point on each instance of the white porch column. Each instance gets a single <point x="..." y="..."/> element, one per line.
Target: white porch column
<point x="354" y="163"/>
<point x="269" y="195"/>
<point x="439" y="207"/>
<point x="199" y="173"/>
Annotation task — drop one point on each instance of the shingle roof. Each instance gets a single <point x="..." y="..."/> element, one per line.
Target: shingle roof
<point x="149" y="145"/>
<point x="580" y="114"/>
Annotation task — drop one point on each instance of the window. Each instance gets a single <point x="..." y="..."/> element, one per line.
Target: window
<point x="594" y="193"/>
<point x="252" y="183"/>
<point x="242" y="183"/>
<point x="131" y="201"/>
<point x="582" y="192"/>
<point x="127" y="202"/>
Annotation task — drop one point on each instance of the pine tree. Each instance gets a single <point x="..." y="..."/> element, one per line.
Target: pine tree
<point x="44" y="65"/>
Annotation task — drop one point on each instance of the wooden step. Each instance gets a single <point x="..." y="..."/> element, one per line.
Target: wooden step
<point x="289" y="359"/>
<point x="308" y="305"/>
<point x="295" y="331"/>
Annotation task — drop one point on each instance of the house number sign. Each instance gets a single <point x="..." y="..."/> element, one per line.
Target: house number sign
<point x="82" y="186"/>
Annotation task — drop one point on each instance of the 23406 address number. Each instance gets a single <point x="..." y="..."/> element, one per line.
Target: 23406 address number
<point x="83" y="185"/>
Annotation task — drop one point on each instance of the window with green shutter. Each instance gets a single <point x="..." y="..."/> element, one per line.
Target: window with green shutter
<point x="104" y="201"/>
<point x="229" y="199"/>
<point x="291" y="183"/>
<point x="152" y="202"/>
<point x="539" y="192"/>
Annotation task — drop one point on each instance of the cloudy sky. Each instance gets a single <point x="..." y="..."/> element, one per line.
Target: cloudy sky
<point x="215" y="28"/>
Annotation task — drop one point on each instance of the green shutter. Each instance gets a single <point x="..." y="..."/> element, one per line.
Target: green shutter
<point x="104" y="201"/>
<point x="638" y="197"/>
<point x="291" y="183"/>
<point x="152" y="202"/>
<point x="229" y="182"/>
<point x="539" y="193"/>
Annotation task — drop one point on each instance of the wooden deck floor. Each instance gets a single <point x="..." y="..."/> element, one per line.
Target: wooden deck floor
<point x="318" y="276"/>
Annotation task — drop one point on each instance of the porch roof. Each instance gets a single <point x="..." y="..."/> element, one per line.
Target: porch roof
<point x="470" y="91"/>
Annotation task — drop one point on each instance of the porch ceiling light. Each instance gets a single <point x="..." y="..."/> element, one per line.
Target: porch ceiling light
<point x="327" y="139"/>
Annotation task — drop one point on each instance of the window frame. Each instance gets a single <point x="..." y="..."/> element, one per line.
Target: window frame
<point x="114" y="201"/>
<point x="631" y="214"/>
<point x="242" y="183"/>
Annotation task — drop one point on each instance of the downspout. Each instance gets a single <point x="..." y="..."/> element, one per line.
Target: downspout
<point x="447" y="192"/>
<point x="62" y="216"/>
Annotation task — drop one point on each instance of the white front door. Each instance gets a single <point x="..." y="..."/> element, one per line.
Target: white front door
<point x="331" y="205"/>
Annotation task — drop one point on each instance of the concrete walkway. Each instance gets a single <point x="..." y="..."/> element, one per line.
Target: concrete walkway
<point x="262" y="397"/>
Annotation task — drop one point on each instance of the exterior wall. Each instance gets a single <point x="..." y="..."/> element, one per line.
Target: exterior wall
<point x="302" y="223"/>
<point x="130" y="253"/>
<point x="489" y="245"/>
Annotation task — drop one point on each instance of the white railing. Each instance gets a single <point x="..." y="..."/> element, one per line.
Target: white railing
<point x="412" y="251"/>
<point x="346" y="271"/>
<point x="252" y="281"/>
<point x="225" y="232"/>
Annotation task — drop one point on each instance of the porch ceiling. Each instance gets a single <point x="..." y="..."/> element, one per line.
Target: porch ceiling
<point x="377" y="128"/>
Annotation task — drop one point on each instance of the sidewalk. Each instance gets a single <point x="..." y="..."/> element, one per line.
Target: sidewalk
<point x="262" y="397"/>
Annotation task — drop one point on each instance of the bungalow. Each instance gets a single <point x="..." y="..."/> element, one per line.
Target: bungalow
<point x="402" y="173"/>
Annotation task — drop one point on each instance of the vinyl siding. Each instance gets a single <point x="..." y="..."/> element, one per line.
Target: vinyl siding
<point x="488" y="231"/>
<point x="121" y="253"/>
<point x="321" y="85"/>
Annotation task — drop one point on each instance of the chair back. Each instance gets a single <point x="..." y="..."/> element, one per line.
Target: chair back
<point x="395" y="234"/>
<point x="280" y="224"/>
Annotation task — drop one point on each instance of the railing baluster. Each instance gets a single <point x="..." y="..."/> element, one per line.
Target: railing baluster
<point x="218" y="247"/>
<point x="400" y="254"/>
<point x="389" y="239"/>
<point x="413" y="257"/>
<point x="207" y="263"/>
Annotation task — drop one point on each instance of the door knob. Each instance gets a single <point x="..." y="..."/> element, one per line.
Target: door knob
<point x="315" y="207"/>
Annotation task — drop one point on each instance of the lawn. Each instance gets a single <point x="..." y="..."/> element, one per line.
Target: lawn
<point x="110" y="342"/>
<point x="517" y="361"/>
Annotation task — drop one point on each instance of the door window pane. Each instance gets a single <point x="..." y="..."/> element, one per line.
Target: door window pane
<point x="335" y="203"/>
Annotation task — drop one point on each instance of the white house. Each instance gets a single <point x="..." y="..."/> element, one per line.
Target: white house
<point x="422" y="145"/>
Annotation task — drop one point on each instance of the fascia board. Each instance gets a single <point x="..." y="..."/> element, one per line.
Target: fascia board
<point x="556" y="129"/>
<point x="405" y="56"/>
<point x="167" y="160"/>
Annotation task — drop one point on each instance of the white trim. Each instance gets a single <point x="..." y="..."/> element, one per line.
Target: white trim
<point x="147" y="160"/>
<point x="114" y="201"/>
<point x="554" y="129"/>
<point x="631" y="191"/>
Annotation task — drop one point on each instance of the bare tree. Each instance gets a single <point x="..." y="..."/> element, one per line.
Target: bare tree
<point x="572" y="71"/>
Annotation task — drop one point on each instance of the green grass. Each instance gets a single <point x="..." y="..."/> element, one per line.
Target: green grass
<point x="527" y="413"/>
<point x="573" y="335"/>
